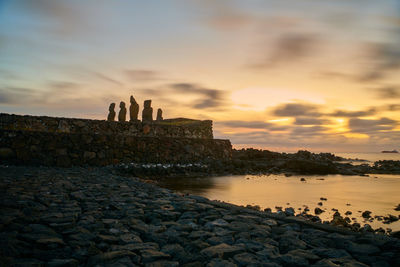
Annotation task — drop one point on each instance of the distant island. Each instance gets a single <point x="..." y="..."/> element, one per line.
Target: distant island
<point x="393" y="151"/>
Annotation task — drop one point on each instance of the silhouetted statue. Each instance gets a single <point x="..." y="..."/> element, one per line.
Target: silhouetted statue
<point x="133" y="109"/>
<point x="159" y="114"/>
<point x="147" y="113"/>
<point x="111" y="113"/>
<point x="122" y="112"/>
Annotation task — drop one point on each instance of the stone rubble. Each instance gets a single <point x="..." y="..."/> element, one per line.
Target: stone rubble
<point x="93" y="217"/>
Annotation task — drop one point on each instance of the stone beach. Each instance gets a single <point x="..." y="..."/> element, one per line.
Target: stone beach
<point x="91" y="216"/>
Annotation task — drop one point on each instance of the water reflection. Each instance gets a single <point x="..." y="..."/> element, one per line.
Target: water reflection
<point x="377" y="193"/>
<point x="198" y="186"/>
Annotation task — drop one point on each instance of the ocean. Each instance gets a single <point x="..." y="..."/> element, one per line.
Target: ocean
<point x="379" y="194"/>
<point x="372" y="157"/>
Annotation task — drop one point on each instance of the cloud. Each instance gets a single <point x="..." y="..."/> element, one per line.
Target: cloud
<point x="308" y="131"/>
<point x="370" y="126"/>
<point x="142" y="75"/>
<point x="244" y="124"/>
<point x="229" y="20"/>
<point x="383" y="59"/>
<point x="107" y="78"/>
<point x="310" y="121"/>
<point x="289" y="48"/>
<point x="63" y="85"/>
<point x="208" y="98"/>
<point x="350" y="114"/>
<point x="394" y="107"/>
<point x="17" y="95"/>
<point x="65" y="17"/>
<point x="388" y="92"/>
<point x="296" y="109"/>
<point x="223" y="15"/>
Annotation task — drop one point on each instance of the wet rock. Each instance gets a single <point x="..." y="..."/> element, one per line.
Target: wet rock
<point x="162" y="264"/>
<point x="366" y="214"/>
<point x="318" y="211"/>
<point x="363" y="249"/>
<point x="367" y="228"/>
<point x="105" y="258"/>
<point x="222" y="251"/>
<point x="62" y="263"/>
<point x="331" y="253"/>
<point x="150" y="255"/>
<point x="339" y="262"/>
<point x="395" y="234"/>
<point x="305" y="254"/>
<point x="220" y="263"/>
<point x="289" y="211"/>
<point x="218" y="222"/>
<point x="338" y="220"/>
<point x="289" y="243"/>
<point x="246" y="259"/>
<point x="389" y="219"/>
<point x="290" y="260"/>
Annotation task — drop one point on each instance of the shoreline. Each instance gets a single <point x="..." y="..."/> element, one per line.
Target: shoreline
<point x="263" y="162"/>
<point x="88" y="216"/>
<point x="355" y="219"/>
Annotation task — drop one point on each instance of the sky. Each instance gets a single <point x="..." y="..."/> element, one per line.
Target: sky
<point x="283" y="75"/>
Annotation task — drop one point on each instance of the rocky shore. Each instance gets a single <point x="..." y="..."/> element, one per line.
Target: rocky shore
<point x="96" y="217"/>
<point x="254" y="161"/>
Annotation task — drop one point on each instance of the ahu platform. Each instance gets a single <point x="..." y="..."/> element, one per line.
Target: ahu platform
<point x="66" y="142"/>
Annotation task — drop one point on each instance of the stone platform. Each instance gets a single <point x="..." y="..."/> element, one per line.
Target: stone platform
<point x="72" y="142"/>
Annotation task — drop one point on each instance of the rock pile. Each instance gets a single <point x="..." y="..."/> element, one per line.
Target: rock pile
<point x="91" y="217"/>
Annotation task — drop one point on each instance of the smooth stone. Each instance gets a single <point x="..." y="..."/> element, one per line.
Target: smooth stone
<point x="149" y="255"/>
<point x="62" y="263"/>
<point x="221" y="251"/>
<point x="108" y="256"/>
<point x="220" y="263"/>
<point x="246" y="259"/>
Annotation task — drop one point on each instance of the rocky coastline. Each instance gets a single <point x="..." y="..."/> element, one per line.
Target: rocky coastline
<point x="97" y="217"/>
<point x="254" y="161"/>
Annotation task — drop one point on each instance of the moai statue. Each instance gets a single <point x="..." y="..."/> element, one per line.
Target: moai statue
<point x="122" y="112"/>
<point x="159" y="115"/>
<point x="111" y="113"/>
<point x="147" y="113"/>
<point x="133" y="109"/>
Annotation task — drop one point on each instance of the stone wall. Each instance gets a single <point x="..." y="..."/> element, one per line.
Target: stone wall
<point x="58" y="142"/>
<point x="177" y="128"/>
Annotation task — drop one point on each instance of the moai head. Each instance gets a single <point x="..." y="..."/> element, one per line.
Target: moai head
<point x="122" y="105"/>
<point x="147" y="104"/>
<point x="111" y="107"/>
<point x="133" y="101"/>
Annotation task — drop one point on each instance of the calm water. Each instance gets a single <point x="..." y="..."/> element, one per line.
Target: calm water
<point x="372" y="157"/>
<point x="377" y="193"/>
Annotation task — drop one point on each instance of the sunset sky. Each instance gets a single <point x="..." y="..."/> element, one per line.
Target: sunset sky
<point x="283" y="75"/>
